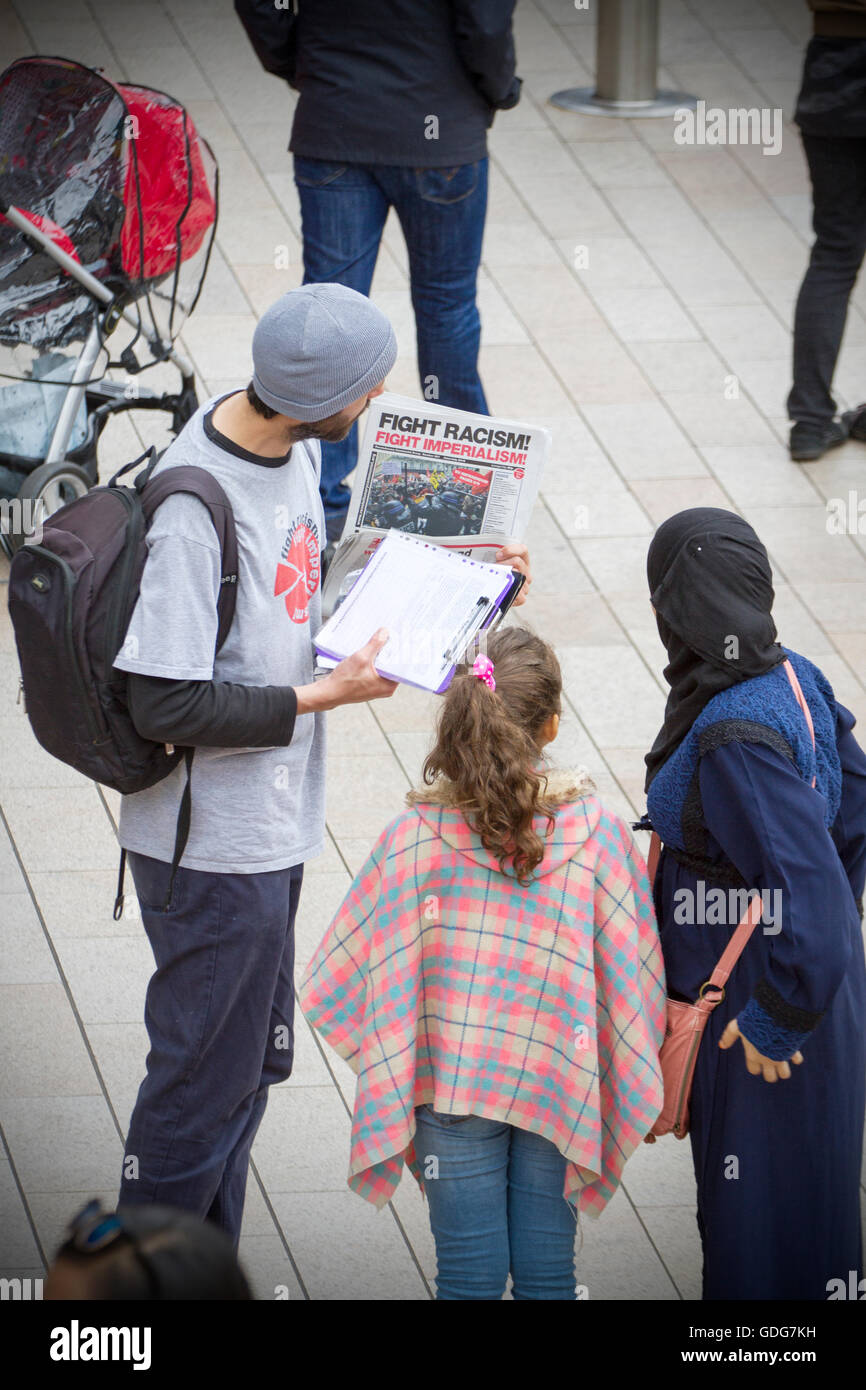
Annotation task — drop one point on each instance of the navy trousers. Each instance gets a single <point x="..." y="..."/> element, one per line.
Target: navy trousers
<point x="219" y="1015"/>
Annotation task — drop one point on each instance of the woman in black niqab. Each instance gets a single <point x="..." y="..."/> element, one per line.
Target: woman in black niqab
<point x="712" y="590"/>
<point x="743" y="809"/>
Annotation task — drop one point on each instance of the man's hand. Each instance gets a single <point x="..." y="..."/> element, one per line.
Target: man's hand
<point x="756" y="1062"/>
<point x="351" y="682"/>
<point x="516" y="554"/>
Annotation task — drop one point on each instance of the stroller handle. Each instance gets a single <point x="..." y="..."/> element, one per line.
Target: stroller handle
<point x="88" y="281"/>
<point x="63" y="259"/>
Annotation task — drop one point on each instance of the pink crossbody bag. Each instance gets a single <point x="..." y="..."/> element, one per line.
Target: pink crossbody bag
<point x="686" y="1022"/>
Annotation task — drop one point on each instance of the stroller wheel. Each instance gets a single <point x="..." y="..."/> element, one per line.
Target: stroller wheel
<point x="44" y="491"/>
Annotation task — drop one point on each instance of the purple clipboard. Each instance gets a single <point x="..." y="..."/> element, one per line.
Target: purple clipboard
<point x="495" y="606"/>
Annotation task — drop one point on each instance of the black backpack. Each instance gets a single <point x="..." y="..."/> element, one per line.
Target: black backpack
<point x="71" y="597"/>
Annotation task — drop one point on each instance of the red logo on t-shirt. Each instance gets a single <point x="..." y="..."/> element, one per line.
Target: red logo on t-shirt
<point x="298" y="573"/>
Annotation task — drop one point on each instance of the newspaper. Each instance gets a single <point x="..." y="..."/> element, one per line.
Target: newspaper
<point x="464" y="481"/>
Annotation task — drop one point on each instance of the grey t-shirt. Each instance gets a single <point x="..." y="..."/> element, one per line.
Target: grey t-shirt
<point x="253" y="809"/>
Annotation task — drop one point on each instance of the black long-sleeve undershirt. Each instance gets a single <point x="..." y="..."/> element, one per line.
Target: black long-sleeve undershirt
<point x="212" y="714"/>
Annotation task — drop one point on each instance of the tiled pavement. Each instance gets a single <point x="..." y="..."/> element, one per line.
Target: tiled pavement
<point x="661" y="368"/>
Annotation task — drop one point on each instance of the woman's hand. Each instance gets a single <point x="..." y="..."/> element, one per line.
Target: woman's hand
<point x="516" y="554"/>
<point x="756" y="1062"/>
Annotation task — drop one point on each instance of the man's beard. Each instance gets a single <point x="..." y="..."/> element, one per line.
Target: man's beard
<point x="331" y="430"/>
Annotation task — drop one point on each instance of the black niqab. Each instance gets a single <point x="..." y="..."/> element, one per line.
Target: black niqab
<point x="712" y="588"/>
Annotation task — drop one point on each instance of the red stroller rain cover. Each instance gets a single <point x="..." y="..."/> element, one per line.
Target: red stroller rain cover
<point x="178" y="205"/>
<point x="118" y="176"/>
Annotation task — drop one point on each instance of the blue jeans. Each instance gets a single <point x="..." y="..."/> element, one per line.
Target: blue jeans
<point x="496" y="1208"/>
<point x="441" y="212"/>
<point x="220" y="1015"/>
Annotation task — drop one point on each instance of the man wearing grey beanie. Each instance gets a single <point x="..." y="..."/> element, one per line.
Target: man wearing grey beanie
<point x="219" y="1008"/>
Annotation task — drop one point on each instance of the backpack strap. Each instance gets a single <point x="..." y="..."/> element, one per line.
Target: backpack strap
<point x="184" y="815"/>
<point x="198" y="482"/>
<point x="181" y="836"/>
<point x="150" y="458"/>
<point x="203" y="485"/>
<point x="751" y="916"/>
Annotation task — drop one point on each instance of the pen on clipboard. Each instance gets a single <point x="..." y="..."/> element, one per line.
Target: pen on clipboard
<point x="463" y="635"/>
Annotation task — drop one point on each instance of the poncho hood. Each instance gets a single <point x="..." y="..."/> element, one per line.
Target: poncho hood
<point x="577" y="817"/>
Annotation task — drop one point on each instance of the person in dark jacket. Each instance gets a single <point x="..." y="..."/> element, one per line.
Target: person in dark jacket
<point x="831" y="114"/>
<point x="396" y="98"/>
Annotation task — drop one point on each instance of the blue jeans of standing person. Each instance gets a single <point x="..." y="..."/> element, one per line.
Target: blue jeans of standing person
<point x="441" y="212"/>
<point x="496" y="1208"/>
<point x="220" y="1016"/>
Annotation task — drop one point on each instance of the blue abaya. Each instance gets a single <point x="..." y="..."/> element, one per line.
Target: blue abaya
<point x="777" y="1164"/>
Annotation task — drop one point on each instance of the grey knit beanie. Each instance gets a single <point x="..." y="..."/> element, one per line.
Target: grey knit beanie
<point x="319" y="348"/>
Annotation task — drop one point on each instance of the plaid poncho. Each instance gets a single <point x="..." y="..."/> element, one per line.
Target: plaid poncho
<point x="442" y="981"/>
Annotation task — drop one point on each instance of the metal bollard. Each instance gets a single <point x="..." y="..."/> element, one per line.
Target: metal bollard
<point x="627" y="48"/>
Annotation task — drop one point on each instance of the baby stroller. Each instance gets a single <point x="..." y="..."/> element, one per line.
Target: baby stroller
<point x="108" y="206"/>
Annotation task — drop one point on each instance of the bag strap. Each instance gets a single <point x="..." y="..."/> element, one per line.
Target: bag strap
<point x="752" y="915"/>
<point x="181" y="835"/>
<point x="801" y="701"/>
<point x="149" y="454"/>
<point x="198" y="482"/>
<point x="119" y="895"/>
<point x="653" y="857"/>
<point x="183" y="820"/>
<point x="734" y="949"/>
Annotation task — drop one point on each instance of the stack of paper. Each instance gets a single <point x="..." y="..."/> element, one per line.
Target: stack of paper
<point x="431" y="601"/>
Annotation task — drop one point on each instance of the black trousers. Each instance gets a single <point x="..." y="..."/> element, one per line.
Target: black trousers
<point x="837" y="168"/>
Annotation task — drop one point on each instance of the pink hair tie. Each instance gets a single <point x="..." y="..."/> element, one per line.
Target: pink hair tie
<point x="482" y="667"/>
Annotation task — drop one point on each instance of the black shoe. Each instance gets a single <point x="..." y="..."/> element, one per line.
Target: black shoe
<point x="809" y="442"/>
<point x="855" y="423"/>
